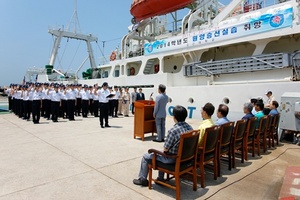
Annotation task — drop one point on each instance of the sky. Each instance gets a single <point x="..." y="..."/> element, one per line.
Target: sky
<point x="25" y="41"/>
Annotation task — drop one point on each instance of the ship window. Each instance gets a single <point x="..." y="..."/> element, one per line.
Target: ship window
<point x="226" y="100"/>
<point x="117" y="73"/>
<point x="105" y="74"/>
<point x="191" y="100"/>
<point x="175" y="67"/>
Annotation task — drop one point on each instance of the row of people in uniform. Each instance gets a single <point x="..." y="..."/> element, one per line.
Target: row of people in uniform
<point x="59" y="100"/>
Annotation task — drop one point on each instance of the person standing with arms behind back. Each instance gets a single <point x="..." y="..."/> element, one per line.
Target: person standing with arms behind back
<point x="160" y="113"/>
<point x="133" y="99"/>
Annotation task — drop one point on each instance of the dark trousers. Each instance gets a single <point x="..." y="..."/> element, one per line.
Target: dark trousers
<point x="91" y="106"/>
<point x="48" y="108"/>
<point x="64" y="109"/>
<point x="85" y="108"/>
<point x="71" y="109"/>
<point x="132" y="108"/>
<point x="10" y="105"/>
<point x="26" y="112"/>
<point x="20" y="112"/>
<point x="36" y="111"/>
<point x="14" y="105"/>
<point x="55" y="110"/>
<point x="103" y="113"/>
<point x="110" y="108"/>
<point x="78" y="107"/>
<point x="43" y="109"/>
<point x="115" y="105"/>
<point x="29" y="108"/>
<point x="96" y="108"/>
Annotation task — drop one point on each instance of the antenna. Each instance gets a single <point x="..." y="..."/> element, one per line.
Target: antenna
<point x="74" y="20"/>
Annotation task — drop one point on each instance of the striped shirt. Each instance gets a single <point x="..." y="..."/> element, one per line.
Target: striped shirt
<point x="172" y="141"/>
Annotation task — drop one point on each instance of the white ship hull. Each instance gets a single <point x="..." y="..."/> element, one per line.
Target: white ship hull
<point x="186" y="70"/>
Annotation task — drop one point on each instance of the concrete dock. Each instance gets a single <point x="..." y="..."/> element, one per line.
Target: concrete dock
<point x="80" y="160"/>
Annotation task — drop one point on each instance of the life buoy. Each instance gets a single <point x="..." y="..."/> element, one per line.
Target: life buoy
<point x="156" y="69"/>
<point x="113" y="56"/>
<point x="132" y="71"/>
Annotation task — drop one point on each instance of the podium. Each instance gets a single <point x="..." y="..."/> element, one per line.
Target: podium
<point x="144" y="121"/>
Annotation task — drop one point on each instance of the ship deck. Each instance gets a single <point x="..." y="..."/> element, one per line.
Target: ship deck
<point x="79" y="160"/>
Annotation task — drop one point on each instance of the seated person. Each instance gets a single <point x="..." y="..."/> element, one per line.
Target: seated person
<point x="248" y="107"/>
<point x="206" y="113"/>
<point x="222" y="114"/>
<point x="170" y="146"/>
<point x="259" y="107"/>
<point x="273" y="106"/>
<point x="253" y="102"/>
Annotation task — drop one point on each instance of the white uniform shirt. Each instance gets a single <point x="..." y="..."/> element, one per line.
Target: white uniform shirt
<point x="117" y="94"/>
<point x="78" y="92"/>
<point x="91" y="94"/>
<point x="55" y="96"/>
<point x="85" y="94"/>
<point x="37" y="95"/>
<point x="95" y="96"/>
<point x="26" y="95"/>
<point x="63" y="96"/>
<point x="30" y="94"/>
<point x="45" y="94"/>
<point x="71" y="94"/>
<point x="102" y="94"/>
<point x="19" y="94"/>
<point x="8" y="92"/>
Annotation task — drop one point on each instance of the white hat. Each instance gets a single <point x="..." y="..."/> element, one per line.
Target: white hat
<point x="268" y="91"/>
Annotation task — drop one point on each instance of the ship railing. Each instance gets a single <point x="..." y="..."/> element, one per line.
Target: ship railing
<point x="238" y="65"/>
<point x="252" y="5"/>
<point x="295" y="60"/>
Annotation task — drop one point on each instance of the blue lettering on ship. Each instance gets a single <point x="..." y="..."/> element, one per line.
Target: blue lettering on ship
<point x="190" y="111"/>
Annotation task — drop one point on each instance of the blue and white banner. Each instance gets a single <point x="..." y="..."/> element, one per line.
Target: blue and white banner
<point x="253" y="23"/>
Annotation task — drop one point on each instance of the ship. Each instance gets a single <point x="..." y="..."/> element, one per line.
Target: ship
<point x="212" y="53"/>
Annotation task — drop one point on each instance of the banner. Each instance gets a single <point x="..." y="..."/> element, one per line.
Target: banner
<point x="248" y="24"/>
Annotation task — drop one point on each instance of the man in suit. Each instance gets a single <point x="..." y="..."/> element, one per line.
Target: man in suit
<point x="160" y="113"/>
<point x="140" y="95"/>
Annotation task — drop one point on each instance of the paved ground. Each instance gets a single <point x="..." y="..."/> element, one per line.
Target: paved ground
<point x="79" y="160"/>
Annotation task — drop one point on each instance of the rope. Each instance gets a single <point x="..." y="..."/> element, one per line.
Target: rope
<point x="74" y="56"/>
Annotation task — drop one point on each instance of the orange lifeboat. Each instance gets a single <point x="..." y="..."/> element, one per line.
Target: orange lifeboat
<point x="142" y="9"/>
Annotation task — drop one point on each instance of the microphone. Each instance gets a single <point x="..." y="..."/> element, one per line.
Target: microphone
<point x="150" y="98"/>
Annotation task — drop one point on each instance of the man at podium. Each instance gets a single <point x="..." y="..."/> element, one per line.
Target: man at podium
<point x="160" y="113"/>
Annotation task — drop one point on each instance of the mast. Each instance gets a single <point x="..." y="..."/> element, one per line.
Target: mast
<point x="68" y="33"/>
